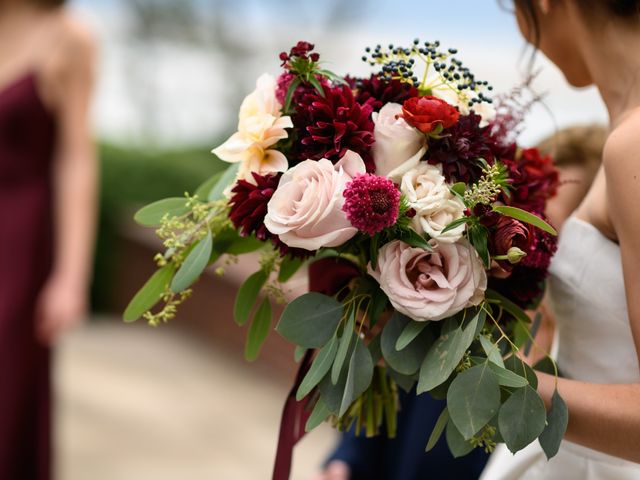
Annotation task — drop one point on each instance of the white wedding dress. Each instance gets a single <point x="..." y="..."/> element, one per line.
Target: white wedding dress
<point x="586" y="290"/>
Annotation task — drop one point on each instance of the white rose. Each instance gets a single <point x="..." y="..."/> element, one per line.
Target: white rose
<point x="306" y="208"/>
<point x="430" y="285"/>
<point x="428" y="194"/>
<point x="397" y="145"/>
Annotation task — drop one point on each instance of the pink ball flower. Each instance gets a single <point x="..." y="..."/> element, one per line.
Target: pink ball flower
<point x="371" y="203"/>
<point x="430" y="285"/>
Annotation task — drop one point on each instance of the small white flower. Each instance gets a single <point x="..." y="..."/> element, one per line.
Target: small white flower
<point x="428" y="194"/>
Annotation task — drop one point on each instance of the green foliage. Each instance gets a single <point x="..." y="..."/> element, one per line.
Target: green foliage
<point x="247" y="296"/>
<point x="319" y="414"/>
<point x="151" y="215"/>
<point x="217" y="192"/>
<point x="438" y="429"/>
<point x="447" y="351"/>
<point x="259" y="330"/>
<point x="557" y="421"/>
<point x="526" y="217"/>
<point x="457" y="444"/>
<point x="310" y="320"/>
<point x="288" y="268"/>
<point x="319" y="368"/>
<point x="359" y="376"/>
<point x="521" y="418"/>
<point x="410" y="332"/>
<point x="345" y="342"/>
<point x="507" y="378"/>
<point x="408" y="360"/>
<point x="473" y="399"/>
<point x="193" y="265"/>
<point x="149" y="294"/>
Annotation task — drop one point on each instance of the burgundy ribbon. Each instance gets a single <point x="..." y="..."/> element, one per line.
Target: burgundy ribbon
<point x="294" y="417"/>
<point x="327" y="276"/>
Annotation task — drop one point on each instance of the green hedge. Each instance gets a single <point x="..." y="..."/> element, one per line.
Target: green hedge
<point x="131" y="177"/>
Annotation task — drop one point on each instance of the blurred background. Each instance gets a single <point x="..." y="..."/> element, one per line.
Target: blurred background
<point x="179" y="402"/>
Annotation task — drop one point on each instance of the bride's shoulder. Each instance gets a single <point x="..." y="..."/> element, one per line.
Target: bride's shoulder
<point x="622" y="149"/>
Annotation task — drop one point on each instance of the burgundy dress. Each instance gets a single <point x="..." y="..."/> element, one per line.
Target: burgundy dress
<point x="27" y="136"/>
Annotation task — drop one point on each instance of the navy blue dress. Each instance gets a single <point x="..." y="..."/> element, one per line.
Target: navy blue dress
<point x="404" y="458"/>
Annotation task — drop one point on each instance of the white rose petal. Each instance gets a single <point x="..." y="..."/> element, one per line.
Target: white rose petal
<point x="429" y="195"/>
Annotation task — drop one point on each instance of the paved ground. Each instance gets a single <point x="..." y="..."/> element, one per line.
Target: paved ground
<point x="136" y="403"/>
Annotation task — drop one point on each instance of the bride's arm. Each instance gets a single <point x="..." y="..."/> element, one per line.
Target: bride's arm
<point x="607" y="417"/>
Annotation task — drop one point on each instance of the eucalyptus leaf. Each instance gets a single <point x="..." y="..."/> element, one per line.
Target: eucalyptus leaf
<point x="546" y="365"/>
<point x="526" y="217"/>
<point x="533" y="331"/>
<point x="458" y="446"/>
<point x="507" y="378"/>
<point x="247" y="296"/>
<point x="446" y="352"/>
<point x="319" y="414"/>
<point x="522" y="418"/>
<point x="226" y="179"/>
<point x="405" y="382"/>
<point x="152" y="214"/>
<point x="359" y="376"/>
<point x="410" y="332"/>
<point x="345" y="341"/>
<point x="244" y="245"/>
<point x="258" y="331"/>
<point x="298" y="353"/>
<point x="310" y="320"/>
<point x="288" y="268"/>
<point x="438" y="429"/>
<point x="459" y="189"/>
<point x="202" y="192"/>
<point x="517" y="366"/>
<point x="149" y="294"/>
<point x="377" y="305"/>
<point x="193" y="265"/>
<point x="408" y="360"/>
<point x="557" y="421"/>
<point x="473" y="399"/>
<point x="492" y="351"/>
<point x="319" y="368"/>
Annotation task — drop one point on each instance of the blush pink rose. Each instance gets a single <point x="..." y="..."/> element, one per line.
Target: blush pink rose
<point x="306" y="209"/>
<point x="430" y="285"/>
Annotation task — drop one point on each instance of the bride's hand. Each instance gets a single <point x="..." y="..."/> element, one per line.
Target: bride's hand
<point x="336" y="470"/>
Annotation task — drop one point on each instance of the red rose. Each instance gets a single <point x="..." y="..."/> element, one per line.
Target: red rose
<point x="425" y="113"/>
<point x="511" y="233"/>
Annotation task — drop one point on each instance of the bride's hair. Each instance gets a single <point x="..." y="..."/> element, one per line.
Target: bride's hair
<point x="621" y="8"/>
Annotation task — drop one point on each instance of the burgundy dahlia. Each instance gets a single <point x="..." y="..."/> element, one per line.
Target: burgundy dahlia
<point x="460" y="148"/>
<point x="534" y="179"/>
<point x="378" y="92"/>
<point x="326" y="127"/>
<point x="371" y="203"/>
<point x="249" y="204"/>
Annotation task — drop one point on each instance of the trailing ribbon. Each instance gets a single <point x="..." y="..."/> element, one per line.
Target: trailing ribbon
<point x="327" y="276"/>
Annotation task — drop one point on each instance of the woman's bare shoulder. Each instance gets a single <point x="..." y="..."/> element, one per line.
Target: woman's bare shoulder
<point x="622" y="148"/>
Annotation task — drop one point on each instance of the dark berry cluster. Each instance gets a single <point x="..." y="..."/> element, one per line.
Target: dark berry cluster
<point x="407" y="64"/>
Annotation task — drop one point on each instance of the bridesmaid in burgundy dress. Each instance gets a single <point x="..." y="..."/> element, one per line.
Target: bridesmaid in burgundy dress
<point x="47" y="204"/>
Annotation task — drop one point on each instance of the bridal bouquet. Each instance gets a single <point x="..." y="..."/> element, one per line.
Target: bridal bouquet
<point x="421" y="222"/>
